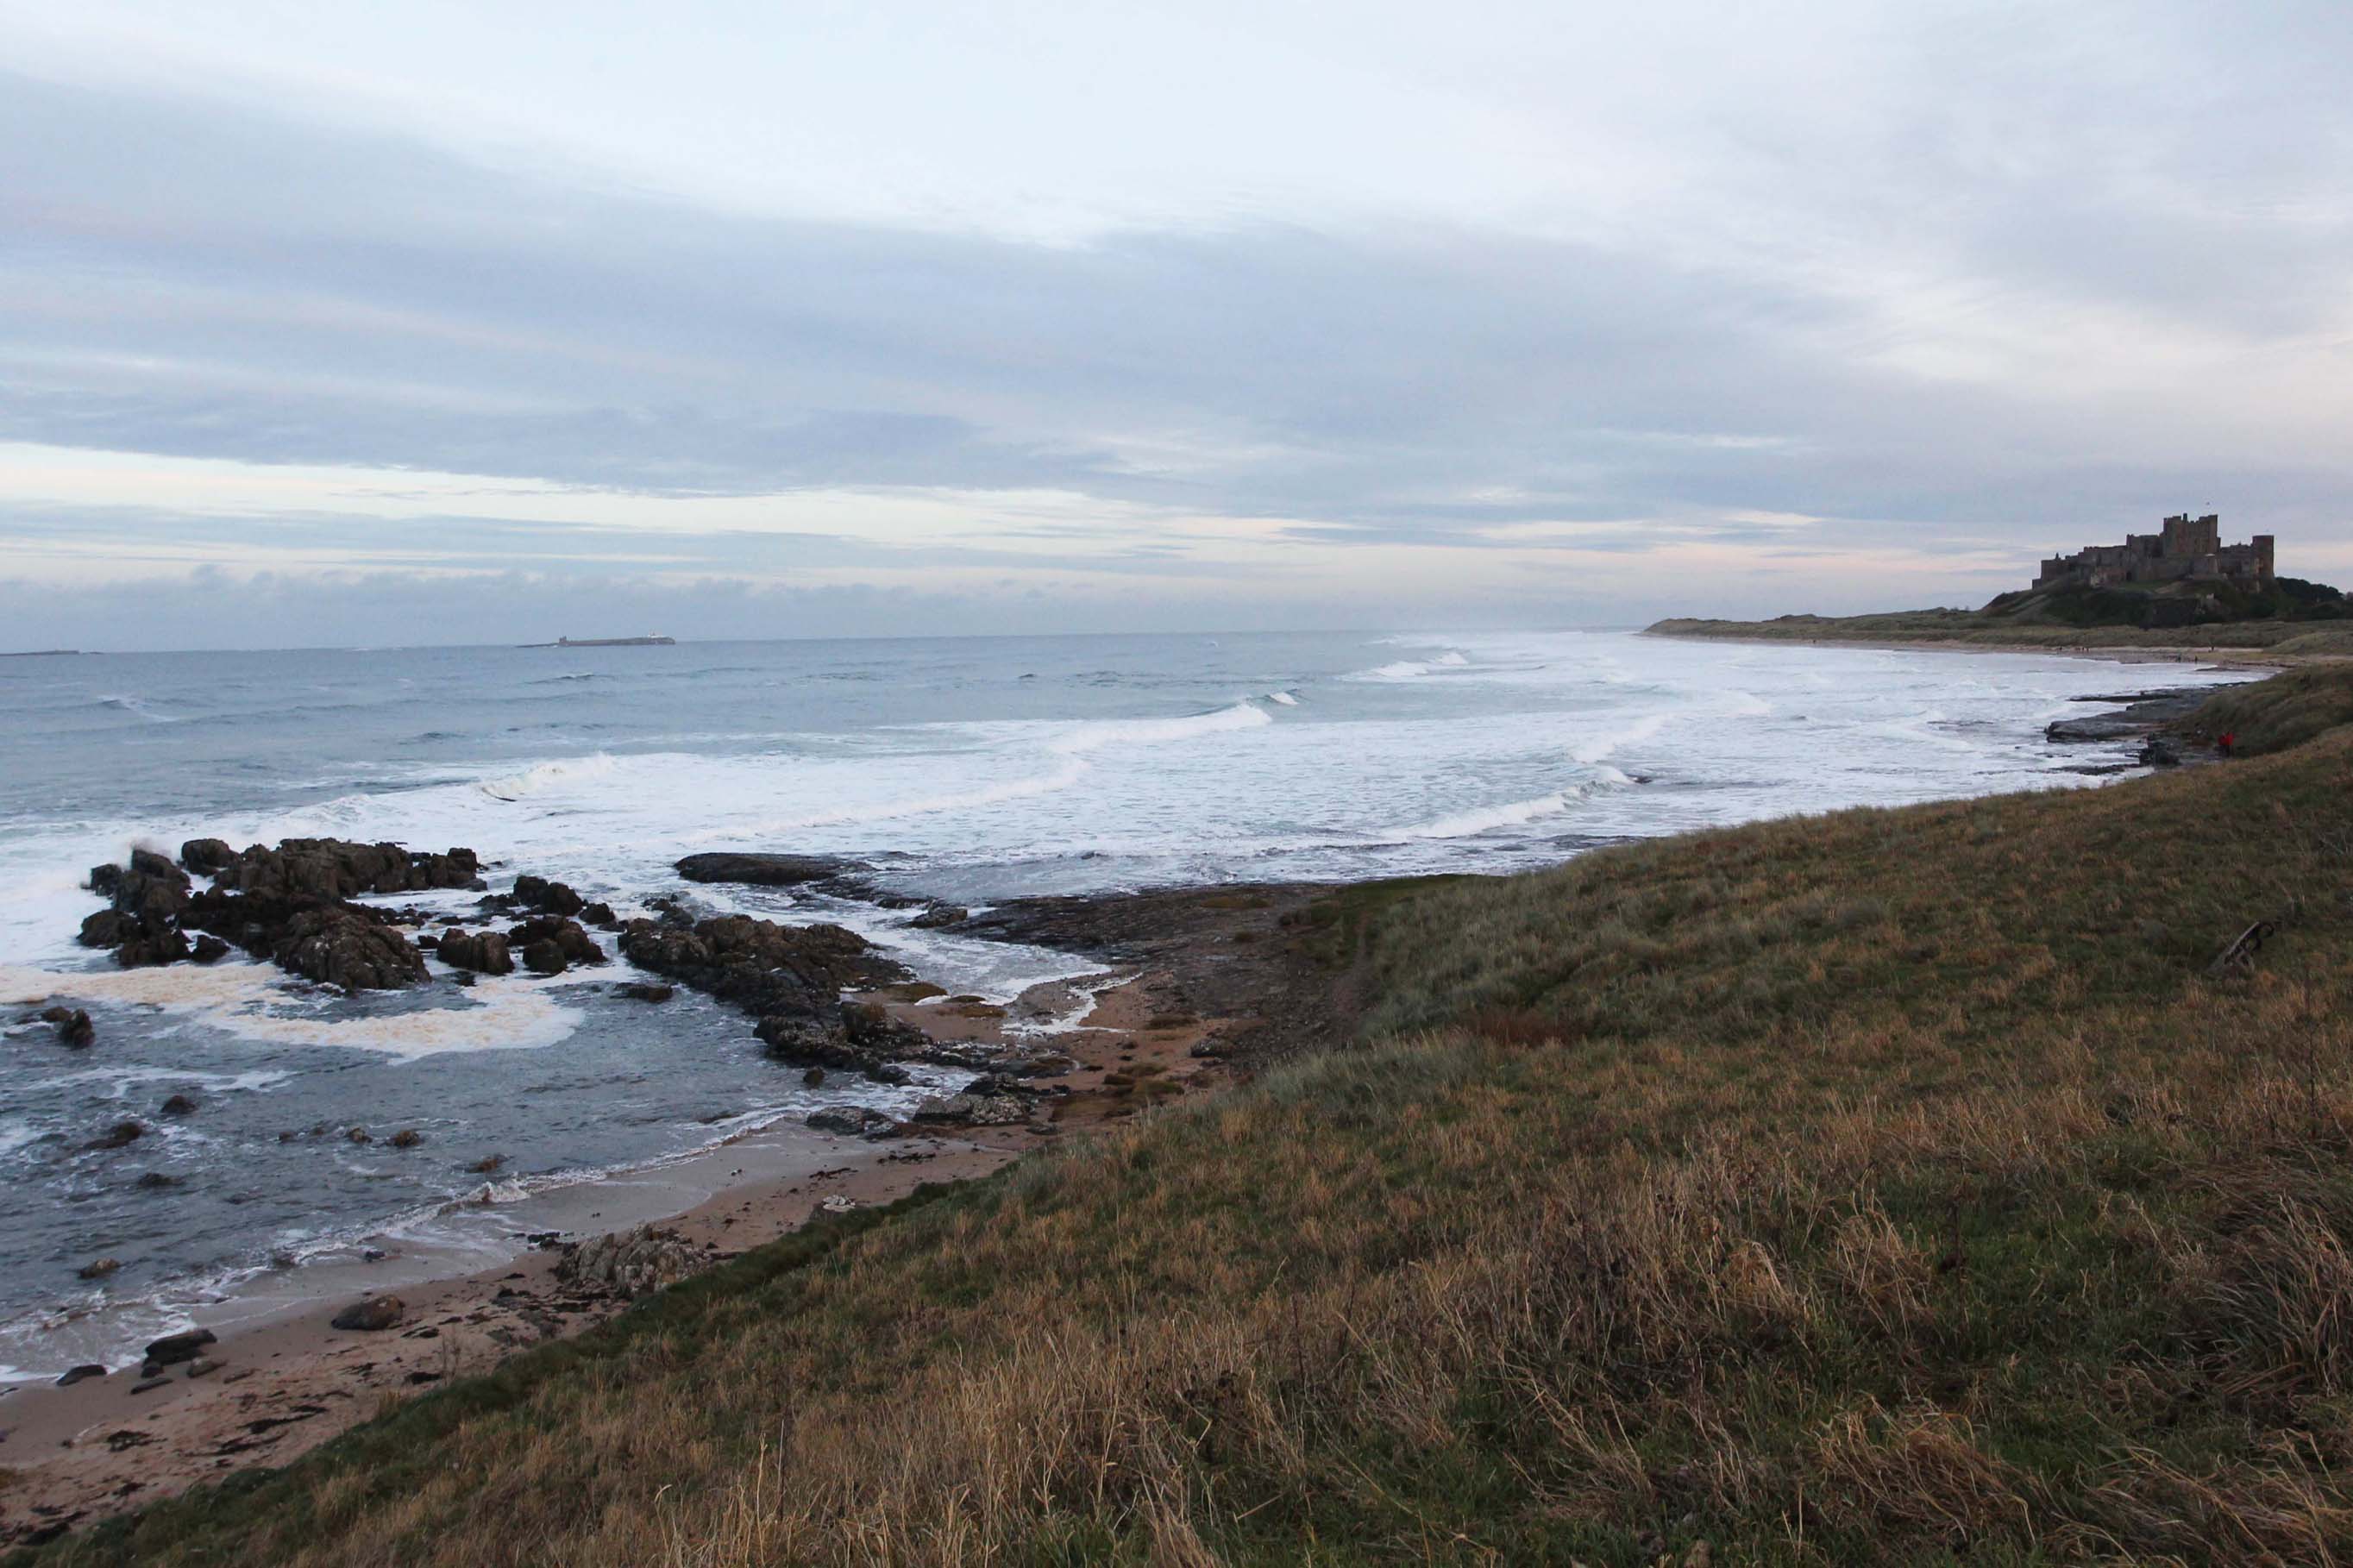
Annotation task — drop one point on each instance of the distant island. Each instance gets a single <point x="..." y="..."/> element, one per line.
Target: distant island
<point x="2180" y="587"/>
<point x="607" y="642"/>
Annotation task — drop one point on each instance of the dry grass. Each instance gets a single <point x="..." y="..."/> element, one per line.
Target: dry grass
<point x="1884" y="1188"/>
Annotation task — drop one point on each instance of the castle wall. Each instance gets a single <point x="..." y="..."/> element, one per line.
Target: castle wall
<point x="2186" y="548"/>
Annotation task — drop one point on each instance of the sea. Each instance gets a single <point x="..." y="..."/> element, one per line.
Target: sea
<point x="968" y="770"/>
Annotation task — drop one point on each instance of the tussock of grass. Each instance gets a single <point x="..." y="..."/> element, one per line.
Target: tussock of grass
<point x="2286" y="711"/>
<point x="1876" y="1187"/>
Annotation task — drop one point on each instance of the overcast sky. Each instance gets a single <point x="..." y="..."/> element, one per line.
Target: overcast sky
<point x="461" y="322"/>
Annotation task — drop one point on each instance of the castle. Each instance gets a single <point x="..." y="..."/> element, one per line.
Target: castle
<point x="2186" y="550"/>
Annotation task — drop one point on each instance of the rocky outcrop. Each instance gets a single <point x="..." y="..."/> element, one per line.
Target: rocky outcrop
<point x="374" y="1315"/>
<point x="285" y="904"/>
<point x="333" y="869"/>
<point x="73" y="1025"/>
<point x="547" y="898"/>
<point x="144" y="903"/>
<point x="790" y="978"/>
<point x="628" y="1263"/>
<point x="757" y="965"/>
<point x="206" y="856"/>
<point x="483" y="953"/>
<point x="550" y="945"/>
<point x="852" y="1122"/>
<point x="339" y="946"/>
<point x="973" y="1110"/>
<point x="761" y="870"/>
<point x="174" y="1349"/>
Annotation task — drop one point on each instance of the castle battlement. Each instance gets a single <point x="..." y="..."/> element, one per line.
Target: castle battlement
<point x="2185" y="549"/>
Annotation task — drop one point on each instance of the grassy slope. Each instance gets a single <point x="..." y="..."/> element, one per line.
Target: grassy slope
<point x="1864" y="1186"/>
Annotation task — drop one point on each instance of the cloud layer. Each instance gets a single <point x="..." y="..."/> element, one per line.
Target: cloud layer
<point x="1865" y="305"/>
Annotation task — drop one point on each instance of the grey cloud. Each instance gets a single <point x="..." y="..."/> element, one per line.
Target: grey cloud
<point x="186" y="279"/>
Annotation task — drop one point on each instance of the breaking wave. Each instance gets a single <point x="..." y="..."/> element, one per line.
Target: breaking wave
<point x="545" y="775"/>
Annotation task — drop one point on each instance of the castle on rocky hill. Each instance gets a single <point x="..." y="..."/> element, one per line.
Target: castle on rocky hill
<point x="2187" y="550"/>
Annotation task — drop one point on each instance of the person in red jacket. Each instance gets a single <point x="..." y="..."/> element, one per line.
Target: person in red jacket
<point x="2226" y="743"/>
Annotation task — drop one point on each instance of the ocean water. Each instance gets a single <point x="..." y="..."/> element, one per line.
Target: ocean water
<point x="972" y="770"/>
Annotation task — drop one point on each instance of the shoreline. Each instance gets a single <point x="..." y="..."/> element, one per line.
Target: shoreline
<point x="1163" y="1016"/>
<point x="2118" y="653"/>
<point x="1204" y="978"/>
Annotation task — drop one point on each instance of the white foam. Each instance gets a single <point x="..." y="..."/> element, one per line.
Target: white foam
<point x="547" y="775"/>
<point x="1512" y="814"/>
<point x="254" y="1001"/>
<point x="1399" y="670"/>
<point x="1284" y="698"/>
<point x="1095" y="736"/>
<point x="1593" y="748"/>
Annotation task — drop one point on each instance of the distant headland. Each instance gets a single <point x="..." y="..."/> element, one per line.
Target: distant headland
<point x="2179" y="588"/>
<point x="607" y="642"/>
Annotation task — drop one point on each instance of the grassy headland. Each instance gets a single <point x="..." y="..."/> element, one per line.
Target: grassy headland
<point x="1876" y="1187"/>
<point x="2290" y="622"/>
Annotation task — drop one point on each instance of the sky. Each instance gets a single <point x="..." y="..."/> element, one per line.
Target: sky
<point x="455" y="322"/>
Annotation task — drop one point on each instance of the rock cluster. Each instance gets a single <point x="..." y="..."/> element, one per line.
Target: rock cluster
<point x="791" y="979"/>
<point x="287" y="904"/>
<point x="628" y="1263"/>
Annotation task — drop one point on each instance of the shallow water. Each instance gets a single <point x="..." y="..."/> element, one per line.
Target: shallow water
<point x="968" y="769"/>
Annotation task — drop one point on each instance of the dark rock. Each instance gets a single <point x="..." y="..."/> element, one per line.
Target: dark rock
<point x="331" y="869"/>
<point x="209" y="949"/>
<point x="159" y="941"/>
<point x="174" y="1349"/>
<point x="487" y="1163"/>
<point x="359" y="1135"/>
<point x="888" y="1072"/>
<point x="640" y="990"/>
<point x="371" y="1316"/>
<point x="179" y="1105"/>
<point x="156" y="1180"/>
<point x="598" y="914"/>
<point x="56" y="1014"/>
<point x="575" y="943"/>
<point x="851" y="1120"/>
<point x="105" y="880"/>
<point x="972" y="1111"/>
<point x="548" y="898"/>
<point x="82" y="1373"/>
<point x="121" y="1135"/>
<point x="108" y="927"/>
<point x="147" y="1384"/>
<point x="935" y="916"/>
<point x="407" y="1138"/>
<point x="813" y="1079"/>
<point x="543" y="957"/>
<point x="76" y="1030"/>
<point x="757" y="965"/>
<point x="761" y="870"/>
<point x="98" y="1269"/>
<point x="147" y="863"/>
<point x="205" y="857"/>
<point x="339" y="946"/>
<point x="486" y="952"/>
